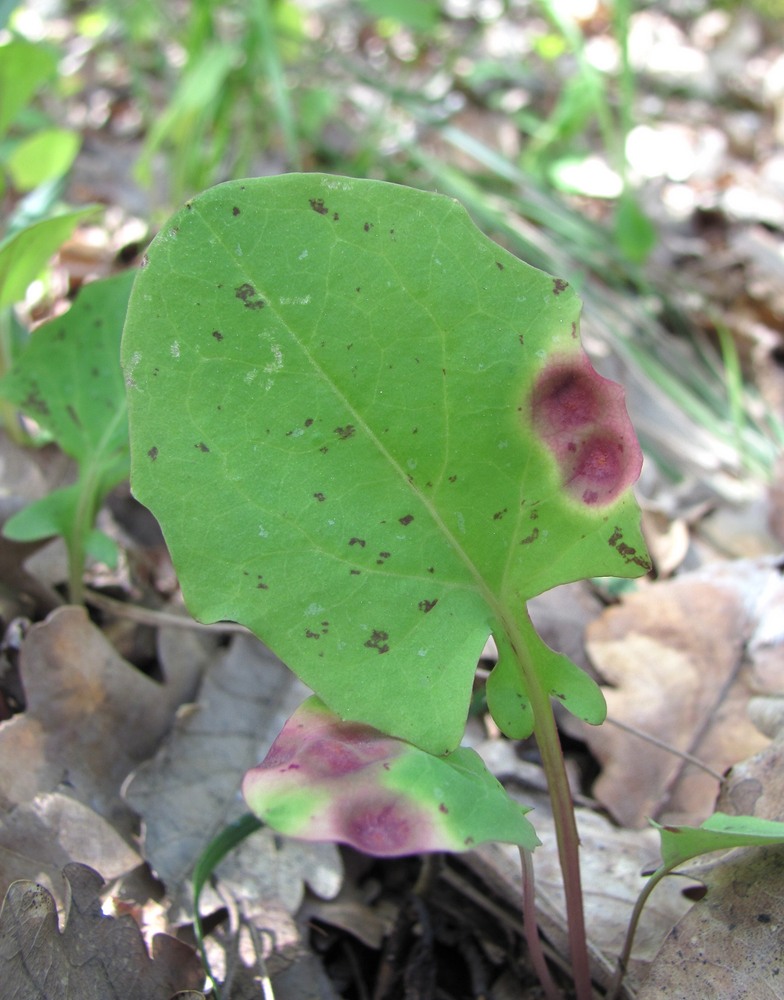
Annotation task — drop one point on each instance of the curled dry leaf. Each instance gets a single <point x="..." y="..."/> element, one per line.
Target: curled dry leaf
<point x="94" y="957"/>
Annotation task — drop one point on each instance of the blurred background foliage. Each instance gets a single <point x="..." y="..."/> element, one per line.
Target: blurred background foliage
<point x="554" y="121"/>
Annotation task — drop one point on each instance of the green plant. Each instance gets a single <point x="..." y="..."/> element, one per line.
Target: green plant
<point x="389" y="438"/>
<point x="68" y="380"/>
<point x="592" y="97"/>
<point x="371" y="435"/>
<point x="33" y="151"/>
<point x="231" y="90"/>
<point x="35" y="157"/>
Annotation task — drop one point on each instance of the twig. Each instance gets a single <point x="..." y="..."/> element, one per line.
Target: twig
<point x="683" y="754"/>
<point x="157" y="619"/>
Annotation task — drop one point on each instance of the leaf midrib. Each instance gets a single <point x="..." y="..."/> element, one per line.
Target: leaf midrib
<point x="479" y="583"/>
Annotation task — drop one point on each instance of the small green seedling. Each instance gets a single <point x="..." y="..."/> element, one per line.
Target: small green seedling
<point x="68" y="380"/>
<point x="679" y="844"/>
<point x="371" y="435"/>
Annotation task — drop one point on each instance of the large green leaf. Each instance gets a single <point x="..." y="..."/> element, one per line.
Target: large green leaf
<point x="370" y="434"/>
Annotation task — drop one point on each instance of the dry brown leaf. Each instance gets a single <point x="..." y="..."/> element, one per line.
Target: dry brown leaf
<point x="91" y="718"/>
<point x="674" y="658"/>
<point x="729" y="944"/>
<point x="94" y="957"/>
<point x="39" y="837"/>
<point x="755" y="787"/>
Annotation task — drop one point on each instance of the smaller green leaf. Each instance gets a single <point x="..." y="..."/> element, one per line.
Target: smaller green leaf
<point x="69" y="381"/>
<point x="43" y="157"/>
<point x="634" y="231"/>
<point x="24" y="255"/>
<point x="507" y="697"/>
<point x="329" y="780"/>
<point x="102" y="548"/>
<point x="24" y="67"/>
<point x="51" y="515"/>
<point x="718" y="832"/>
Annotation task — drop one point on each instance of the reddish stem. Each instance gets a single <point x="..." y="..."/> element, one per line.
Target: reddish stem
<point x="549" y="744"/>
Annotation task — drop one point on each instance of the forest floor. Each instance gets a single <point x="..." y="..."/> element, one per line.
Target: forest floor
<point x="126" y="727"/>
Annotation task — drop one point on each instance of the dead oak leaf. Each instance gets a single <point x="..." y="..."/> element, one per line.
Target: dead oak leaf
<point x="729" y="944"/>
<point x="674" y="658"/>
<point x="91" y="718"/>
<point x="94" y="957"/>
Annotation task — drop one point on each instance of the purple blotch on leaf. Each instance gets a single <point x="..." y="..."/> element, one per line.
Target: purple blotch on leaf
<point x="380" y="827"/>
<point x="581" y="417"/>
<point x="343" y="764"/>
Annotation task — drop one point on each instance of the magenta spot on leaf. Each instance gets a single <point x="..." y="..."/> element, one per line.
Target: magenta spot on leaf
<point x="600" y="462"/>
<point x="581" y="417"/>
<point x="382" y="827"/>
<point x="331" y="758"/>
<point x="281" y="753"/>
<point x="565" y="398"/>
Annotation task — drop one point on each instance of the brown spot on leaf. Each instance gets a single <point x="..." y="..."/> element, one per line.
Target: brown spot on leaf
<point x="217" y="334"/>
<point x="309" y="422"/>
<point x="248" y="295"/>
<point x="357" y="541"/>
<point x="152" y="454"/>
<point x="73" y="415"/>
<point x="235" y="211"/>
<point x="499" y="514"/>
<point x="317" y="204"/>
<point x="531" y="538"/>
<point x="320" y="497"/>
<point x="354" y="572"/>
<point x="559" y="285"/>
<point x="406" y="520"/>
<point x="345" y="432"/>
<point x="368" y="226"/>
<point x="382" y="557"/>
<point x="202" y="447"/>
<point x="426" y="606"/>
<point x="34" y="401"/>
<point x="378" y="640"/>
